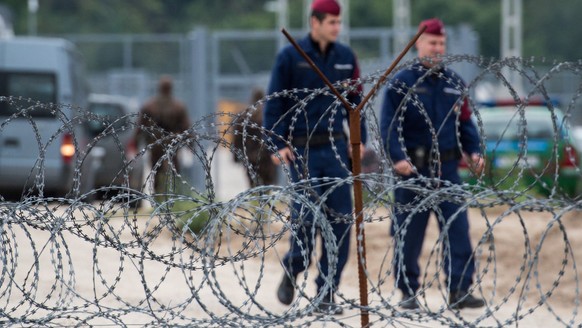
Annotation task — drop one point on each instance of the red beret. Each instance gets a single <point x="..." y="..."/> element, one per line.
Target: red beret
<point x="326" y="6"/>
<point x="433" y="26"/>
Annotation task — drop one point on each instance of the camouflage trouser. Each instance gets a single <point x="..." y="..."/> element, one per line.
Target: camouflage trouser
<point x="164" y="173"/>
<point x="261" y="171"/>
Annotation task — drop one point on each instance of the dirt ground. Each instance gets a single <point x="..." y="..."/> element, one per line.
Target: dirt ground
<point x="529" y="266"/>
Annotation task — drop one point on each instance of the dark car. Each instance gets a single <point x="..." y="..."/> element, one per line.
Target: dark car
<point x="112" y="128"/>
<point x="528" y="149"/>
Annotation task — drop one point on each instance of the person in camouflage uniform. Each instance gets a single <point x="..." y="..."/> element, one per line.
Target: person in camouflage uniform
<point x="248" y="141"/>
<point x="160" y="119"/>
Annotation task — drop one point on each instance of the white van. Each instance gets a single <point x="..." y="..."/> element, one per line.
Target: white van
<point x="42" y="88"/>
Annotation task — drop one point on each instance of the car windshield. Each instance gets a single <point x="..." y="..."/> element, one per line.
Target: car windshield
<point x="31" y="88"/>
<point x="108" y="113"/>
<point x="106" y="110"/>
<point x="512" y="126"/>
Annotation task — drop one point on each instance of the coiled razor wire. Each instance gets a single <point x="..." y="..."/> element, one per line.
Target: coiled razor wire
<point x="120" y="255"/>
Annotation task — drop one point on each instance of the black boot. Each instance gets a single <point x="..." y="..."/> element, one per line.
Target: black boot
<point x="409" y="302"/>
<point x="461" y="299"/>
<point x="328" y="305"/>
<point x="286" y="290"/>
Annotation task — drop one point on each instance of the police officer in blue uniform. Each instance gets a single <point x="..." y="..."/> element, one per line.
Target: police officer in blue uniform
<point x="426" y="126"/>
<point x="314" y="130"/>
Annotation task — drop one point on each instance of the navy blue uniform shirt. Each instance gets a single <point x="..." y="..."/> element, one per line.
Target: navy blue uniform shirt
<point x="291" y="71"/>
<point x="435" y="106"/>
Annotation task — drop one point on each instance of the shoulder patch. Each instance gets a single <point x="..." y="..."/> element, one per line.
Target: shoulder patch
<point x="420" y="90"/>
<point x="343" y="66"/>
<point x="303" y="64"/>
<point x="452" y="91"/>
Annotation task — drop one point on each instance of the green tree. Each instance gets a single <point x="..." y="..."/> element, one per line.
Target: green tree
<point x="550" y="29"/>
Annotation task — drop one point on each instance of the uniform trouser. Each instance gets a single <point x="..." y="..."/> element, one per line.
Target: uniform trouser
<point x="157" y="152"/>
<point x="408" y="230"/>
<point x="321" y="162"/>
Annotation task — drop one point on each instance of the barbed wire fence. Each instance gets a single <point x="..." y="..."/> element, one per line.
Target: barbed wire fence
<point x="120" y="256"/>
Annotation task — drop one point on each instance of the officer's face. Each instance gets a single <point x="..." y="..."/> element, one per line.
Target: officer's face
<point x="326" y="30"/>
<point x="431" y="48"/>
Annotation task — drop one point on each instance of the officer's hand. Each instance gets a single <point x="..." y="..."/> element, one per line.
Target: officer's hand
<point x="477" y="163"/>
<point x="403" y="167"/>
<point x="286" y="156"/>
<point x="362" y="150"/>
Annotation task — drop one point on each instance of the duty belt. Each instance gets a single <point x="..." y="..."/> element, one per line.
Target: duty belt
<point x="420" y="157"/>
<point x="316" y="139"/>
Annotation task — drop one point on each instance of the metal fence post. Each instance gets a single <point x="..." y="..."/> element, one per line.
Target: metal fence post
<point x="201" y="97"/>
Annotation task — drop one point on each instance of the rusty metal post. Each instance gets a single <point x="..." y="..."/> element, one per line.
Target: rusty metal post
<point x="355" y="141"/>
